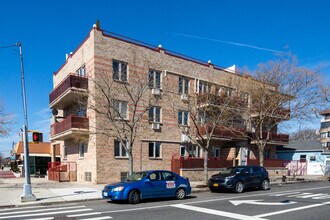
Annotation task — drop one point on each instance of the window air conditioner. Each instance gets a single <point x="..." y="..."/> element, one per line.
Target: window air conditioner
<point x="155" y="91"/>
<point x="185" y="138"/>
<point x="184" y="97"/>
<point x="155" y="126"/>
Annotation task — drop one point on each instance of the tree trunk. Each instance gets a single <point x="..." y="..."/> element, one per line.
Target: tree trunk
<point x="206" y="170"/>
<point x="130" y="161"/>
<point x="261" y="153"/>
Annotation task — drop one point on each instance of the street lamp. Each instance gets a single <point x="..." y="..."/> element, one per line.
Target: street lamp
<point x="27" y="190"/>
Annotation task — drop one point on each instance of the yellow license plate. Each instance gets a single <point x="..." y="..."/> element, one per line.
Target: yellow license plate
<point x="215" y="184"/>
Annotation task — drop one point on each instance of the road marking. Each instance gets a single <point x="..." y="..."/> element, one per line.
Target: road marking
<point x="28" y="207"/>
<point x="216" y="212"/>
<point x="41" y="210"/>
<point x="212" y="200"/>
<point x="99" y="218"/>
<point x="284" y="194"/>
<point x="259" y="202"/>
<point x="50" y="218"/>
<point x="291" y="210"/>
<point x="48" y="213"/>
<point x="84" y="214"/>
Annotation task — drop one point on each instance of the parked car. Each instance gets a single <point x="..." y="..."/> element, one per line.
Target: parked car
<point x="239" y="178"/>
<point x="148" y="184"/>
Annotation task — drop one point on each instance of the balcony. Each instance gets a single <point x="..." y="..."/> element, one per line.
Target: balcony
<point x="274" y="138"/>
<point x="282" y="113"/>
<point x="70" y="126"/>
<point x="220" y="100"/>
<point x="223" y="133"/>
<point x="64" y="93"/>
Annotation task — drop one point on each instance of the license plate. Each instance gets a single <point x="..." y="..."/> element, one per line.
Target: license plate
<point x="215" y="184"/>
<point x="105" y="194"/>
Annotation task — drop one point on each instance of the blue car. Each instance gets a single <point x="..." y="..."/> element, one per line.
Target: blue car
<point x="148" y="184"/>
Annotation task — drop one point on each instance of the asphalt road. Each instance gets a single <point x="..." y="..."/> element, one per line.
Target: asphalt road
<point x="290" y="201"/>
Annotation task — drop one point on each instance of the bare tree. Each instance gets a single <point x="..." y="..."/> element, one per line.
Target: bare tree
<point x="282" y="91"/>
<point x="6" y="119"/>
<point x="305" y="134"/>
<point x="120" y="104"/>
<point x="213" y="111"/>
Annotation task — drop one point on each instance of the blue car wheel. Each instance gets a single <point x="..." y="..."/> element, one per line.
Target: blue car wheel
<point x="134" y="197"/>
<point x="180" y="193"/>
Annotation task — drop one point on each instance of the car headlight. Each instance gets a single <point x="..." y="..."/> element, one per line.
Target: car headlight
<point x="118" y="189"/>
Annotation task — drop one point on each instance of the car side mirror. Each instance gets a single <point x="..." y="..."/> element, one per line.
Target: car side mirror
<point x="147" y="180"/>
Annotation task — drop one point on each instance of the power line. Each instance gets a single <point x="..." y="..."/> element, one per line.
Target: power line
<point x="3" y="47"/>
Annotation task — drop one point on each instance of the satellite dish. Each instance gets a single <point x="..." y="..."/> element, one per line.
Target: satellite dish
<point x="54" y="111"/>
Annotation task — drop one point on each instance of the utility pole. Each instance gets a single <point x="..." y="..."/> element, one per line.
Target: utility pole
<point x="27" y="190"/>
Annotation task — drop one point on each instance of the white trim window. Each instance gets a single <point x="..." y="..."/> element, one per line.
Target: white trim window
<point x="120" y="151"/>
<point x="82" y="71"/>
<point x="183" y="85"/>
<point x="182" y="150"/>
<point x="120" y="72"/>
<point x="183" y="118"/>
<point x="194" y="151"/>
<point x="203" y="87"/>
<point x="216" y="151"/>
<point x="154" y="78"/>
<point x="81" y="150"/>
<point x="155" y="150"/>
<point x="120" y="108"/>
<point x="154" y="114"/>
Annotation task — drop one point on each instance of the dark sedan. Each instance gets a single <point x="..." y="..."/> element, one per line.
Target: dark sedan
<point x="239" y="178"/>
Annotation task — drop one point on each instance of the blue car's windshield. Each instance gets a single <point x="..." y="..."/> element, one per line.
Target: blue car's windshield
<point x="136" y="176"/>
<point x="231" y="170"/>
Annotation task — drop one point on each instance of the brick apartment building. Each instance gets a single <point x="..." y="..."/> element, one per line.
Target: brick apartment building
<point x="102" y="160"/>
<point x="325" y="129"/>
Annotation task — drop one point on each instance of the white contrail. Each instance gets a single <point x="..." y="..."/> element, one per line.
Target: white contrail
<point x="229" y="42"/>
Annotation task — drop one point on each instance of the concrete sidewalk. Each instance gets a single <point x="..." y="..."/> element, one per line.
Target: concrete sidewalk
<point x="48" y="192"/>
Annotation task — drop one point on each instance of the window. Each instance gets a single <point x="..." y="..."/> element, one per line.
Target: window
<point x="325" y="135"/>
<point x="216" y="152"/>
<point x="119" y="71"/>
<point x="312" y="158"/>
<point x="183" y="85"/>
<point x="120" y="108"/>
<point x="203" y="87"/>
<point x="154" y="114"/>
<point x="167" y="176"/>
<point x="88" y="176"/>
<point x="120" y="149"/>
<point x="194" y="151"/>
<point x="123" y="176"/>
<point x="154" y="150"/>
<point x="154" y="176"/>
<point x="256" y="169"/>
<point x="303" y="158"/>
<point x="154" y="77"/>
<point x="81" y="150"/>
<point x="182" y="151"/>
<point x="81" y="111"/>
<point x="82" y="71"/>
<point x="65" y="152"/>
<point x="183" y="118"/>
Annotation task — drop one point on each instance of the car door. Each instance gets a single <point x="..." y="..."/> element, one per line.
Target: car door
<point x="170" y="183"/>
<point x="256" y="176"/>
<point x="153" y="186"/>
<point x="248" y="177"/>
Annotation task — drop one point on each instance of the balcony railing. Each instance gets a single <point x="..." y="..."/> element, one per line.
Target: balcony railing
<point x="222" y="132"/>
<point x="269" y="162"/>
<point x="72" y="81"/>
<point x="284" y="138"/>
<point x="230" y="101"/>
<point x="278" y="112"/>
<point x="69" y="122"/>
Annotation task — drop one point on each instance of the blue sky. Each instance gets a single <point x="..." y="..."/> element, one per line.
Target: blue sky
<point x="50" y="29"/>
